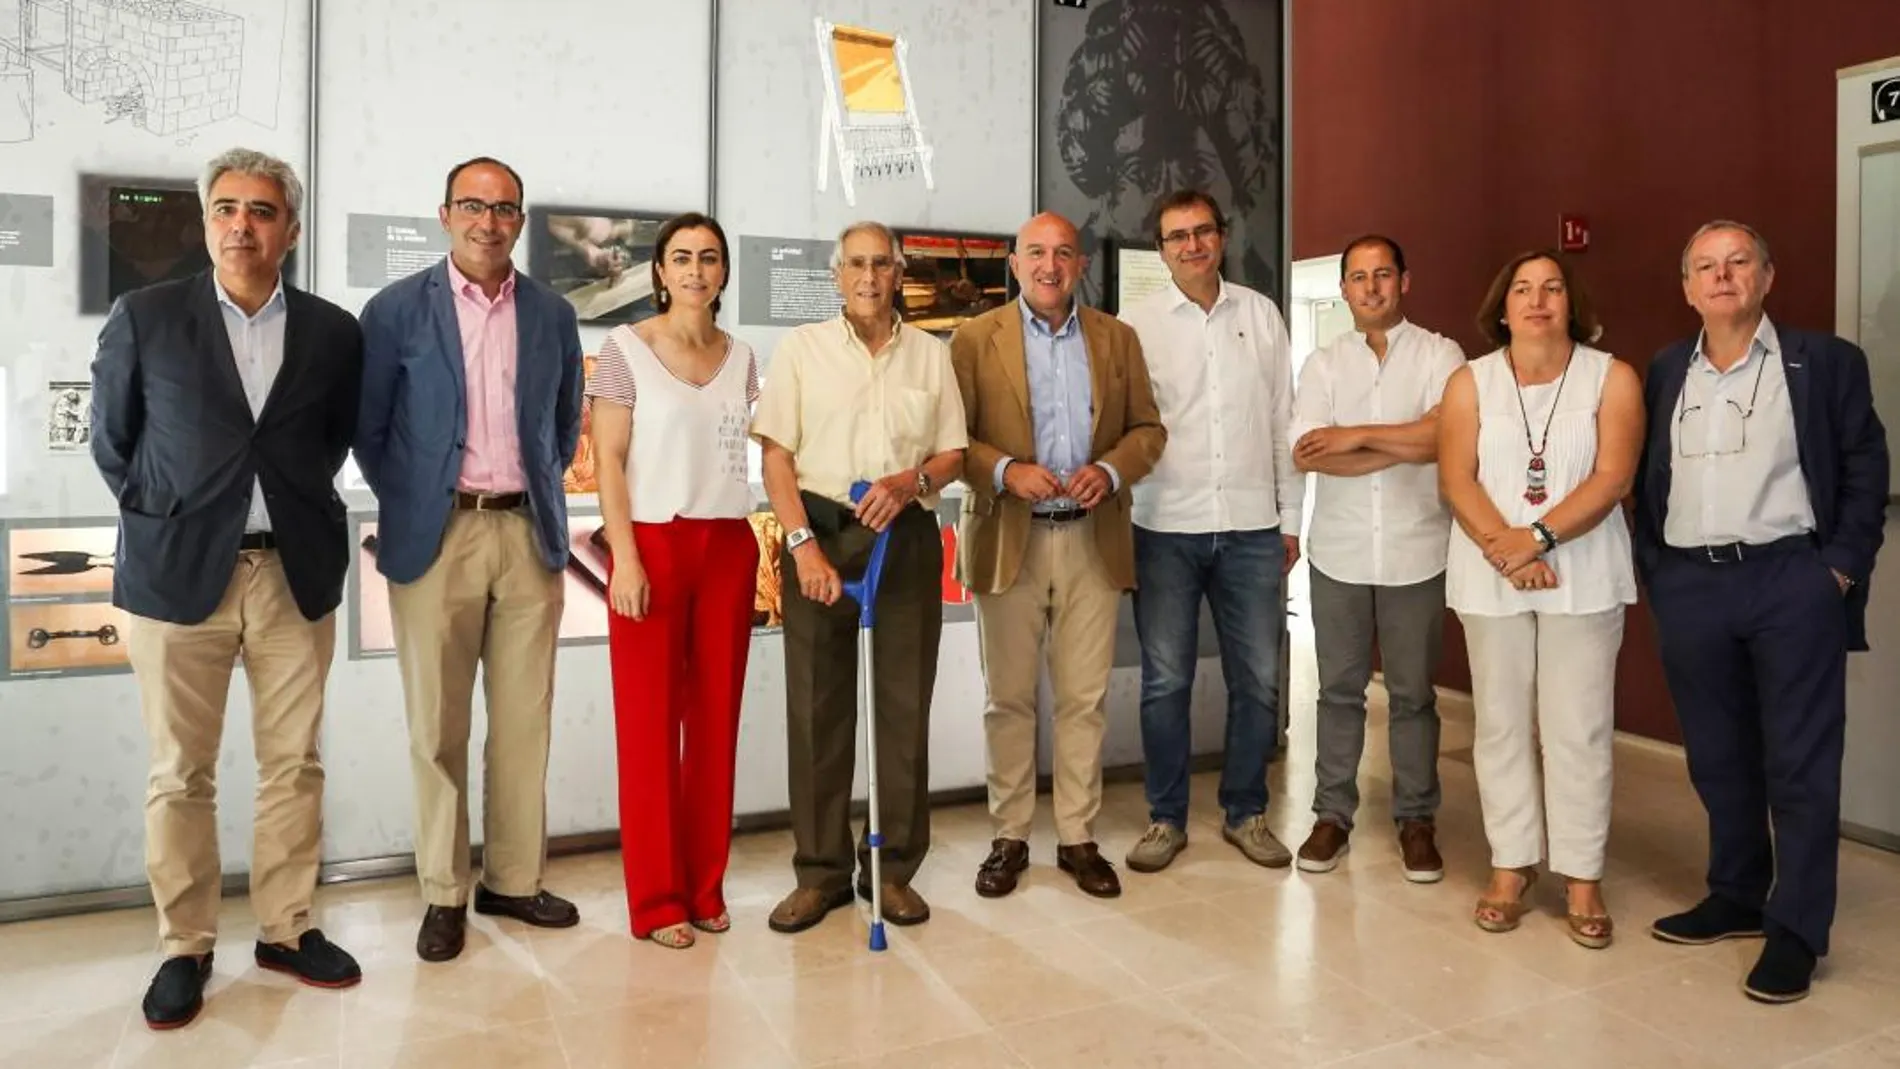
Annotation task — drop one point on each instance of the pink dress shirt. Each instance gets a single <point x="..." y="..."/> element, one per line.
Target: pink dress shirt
<point x="491" y="460"/>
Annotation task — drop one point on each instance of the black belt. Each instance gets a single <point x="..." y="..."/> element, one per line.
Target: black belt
<point x="1737" y="552"/>
<point x="258" y="540"/>
<point x="489" y="502"/>
<point x="1060" y="515"/>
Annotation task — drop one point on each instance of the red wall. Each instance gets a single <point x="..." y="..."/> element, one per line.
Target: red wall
<point x="1463" y="128"/>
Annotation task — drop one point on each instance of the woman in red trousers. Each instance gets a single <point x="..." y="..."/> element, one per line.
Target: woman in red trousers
<point x="672" y="397"/>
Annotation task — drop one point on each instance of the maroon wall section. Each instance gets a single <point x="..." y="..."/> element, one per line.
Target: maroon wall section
<point x="1464" y="128"/>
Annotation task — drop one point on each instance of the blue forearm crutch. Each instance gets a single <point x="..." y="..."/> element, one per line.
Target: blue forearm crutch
<point x="864" y="592"/>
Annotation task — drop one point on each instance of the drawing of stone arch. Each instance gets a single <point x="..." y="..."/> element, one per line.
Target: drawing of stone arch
<point x="103" y="75"/>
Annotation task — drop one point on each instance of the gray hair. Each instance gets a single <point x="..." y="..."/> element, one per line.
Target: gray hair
<point x="251" y="162"/>
<point x="867" y="226"/>
<point x="1761" y="243"/>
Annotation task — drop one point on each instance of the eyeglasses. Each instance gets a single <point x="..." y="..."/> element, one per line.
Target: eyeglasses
<point x="857" y="265"/>
<point x="1716" y="443"/>
<point x="474" y="208"/>
<point x="1199" y="233"/>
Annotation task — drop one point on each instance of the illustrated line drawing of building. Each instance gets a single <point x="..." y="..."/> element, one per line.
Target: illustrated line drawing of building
<point x="166" y="65"/>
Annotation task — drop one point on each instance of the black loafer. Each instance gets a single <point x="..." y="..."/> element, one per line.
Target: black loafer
<point x="1783" y="972"/>
<point x="1712" y="920"/>
<point x="316" y="961"/>
<point x="177" y="992"/>
<point x="543" y="910"/>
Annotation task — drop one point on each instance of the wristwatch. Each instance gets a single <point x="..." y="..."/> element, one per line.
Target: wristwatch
<point x="798" y="538"/>
<point x="923" y="482"/>
<point x="1545" y="537"/>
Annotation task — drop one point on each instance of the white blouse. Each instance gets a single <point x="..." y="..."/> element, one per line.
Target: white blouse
<point x="1594" y="570"/>
<point x="687" y="457"/>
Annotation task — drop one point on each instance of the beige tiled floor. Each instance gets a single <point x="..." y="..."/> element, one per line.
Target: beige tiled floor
<point x="1213" y="963"/>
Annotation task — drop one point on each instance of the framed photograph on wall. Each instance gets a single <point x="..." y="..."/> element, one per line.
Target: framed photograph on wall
<point x="599" y="259"/>
<point x="952" y="277"/>
<point x="59" y="618"/>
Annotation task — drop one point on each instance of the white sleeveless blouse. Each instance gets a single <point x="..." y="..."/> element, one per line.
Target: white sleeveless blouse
<point x="1594" y="571"/>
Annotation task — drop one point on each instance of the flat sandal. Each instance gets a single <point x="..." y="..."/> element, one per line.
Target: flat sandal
<point x="1511" y="912"/>
<point x="716" y="924"/>
<point x="672" y="937"/>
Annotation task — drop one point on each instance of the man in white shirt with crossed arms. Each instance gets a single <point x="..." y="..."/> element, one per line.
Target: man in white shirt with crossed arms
<point x="1366" y="420"/>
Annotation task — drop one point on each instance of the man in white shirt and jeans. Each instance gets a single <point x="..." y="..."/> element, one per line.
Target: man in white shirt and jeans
<point x="1219" y="517"/>
<point x="1366" y="420"/>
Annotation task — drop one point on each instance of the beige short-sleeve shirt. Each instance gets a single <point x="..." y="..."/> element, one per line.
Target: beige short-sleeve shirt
<point x="847" y="415"/>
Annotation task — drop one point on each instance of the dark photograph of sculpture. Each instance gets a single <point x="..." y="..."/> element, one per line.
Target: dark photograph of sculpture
<point x="1139" y="98"/>
<point x="950" y="278"/>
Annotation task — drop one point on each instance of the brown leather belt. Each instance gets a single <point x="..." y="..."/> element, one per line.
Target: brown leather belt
<point x="489" y="502"/>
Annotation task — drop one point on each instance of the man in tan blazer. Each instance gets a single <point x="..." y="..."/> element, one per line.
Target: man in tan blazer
<point x="1062" y="423"/>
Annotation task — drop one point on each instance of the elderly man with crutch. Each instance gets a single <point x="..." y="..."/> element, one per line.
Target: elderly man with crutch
<point x="860" y="398"/>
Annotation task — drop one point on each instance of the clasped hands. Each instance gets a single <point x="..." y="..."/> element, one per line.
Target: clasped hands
<point x="1517" y="555"/>
<point x="1033" y="482"/>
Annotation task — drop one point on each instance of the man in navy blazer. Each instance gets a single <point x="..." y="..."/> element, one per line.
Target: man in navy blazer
<point x="471" y="412"/>
<point x="1760" y="505"/>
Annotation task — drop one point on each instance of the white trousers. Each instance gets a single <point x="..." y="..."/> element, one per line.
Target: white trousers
<point x="1548" y="679"/>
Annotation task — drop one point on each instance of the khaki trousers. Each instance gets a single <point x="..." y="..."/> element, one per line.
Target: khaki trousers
<point x="1062" y="592"/>
<point x="184" y="678"/>
<point x="487" y="600"/>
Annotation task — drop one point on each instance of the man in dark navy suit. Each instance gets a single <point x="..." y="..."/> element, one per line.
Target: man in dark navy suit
<point x="1760" y="505"/>
<point x="222" y="406"/>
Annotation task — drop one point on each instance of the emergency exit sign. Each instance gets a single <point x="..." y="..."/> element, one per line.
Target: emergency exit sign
<point x="1887" y="100"/>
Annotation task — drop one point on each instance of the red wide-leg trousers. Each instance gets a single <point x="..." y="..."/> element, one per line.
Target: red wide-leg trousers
<point x="679" y="676"/>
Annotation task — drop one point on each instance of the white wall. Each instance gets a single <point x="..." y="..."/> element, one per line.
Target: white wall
<point x="72" y="749"/>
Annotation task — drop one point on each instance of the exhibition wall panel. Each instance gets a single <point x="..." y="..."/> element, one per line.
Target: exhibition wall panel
<point x="107" y="113"/>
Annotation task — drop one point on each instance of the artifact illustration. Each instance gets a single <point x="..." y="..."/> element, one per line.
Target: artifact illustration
<point x="163" y="66"/>
<point x="870" y="117"/>
<point x="38" y="637"/>
<point x="69" y="419"/>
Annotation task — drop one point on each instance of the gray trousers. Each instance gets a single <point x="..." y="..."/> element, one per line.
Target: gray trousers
<point x="1409" y="623"/>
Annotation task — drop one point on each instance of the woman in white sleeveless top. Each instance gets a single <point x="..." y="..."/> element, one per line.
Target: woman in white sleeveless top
<point x="672" y="398"/>
<point x="1538" y="444"/>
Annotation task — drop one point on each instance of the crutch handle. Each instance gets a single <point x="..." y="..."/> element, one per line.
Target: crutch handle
<point x="864" y="590"/>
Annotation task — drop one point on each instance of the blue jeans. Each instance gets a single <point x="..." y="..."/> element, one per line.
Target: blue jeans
<point x="1239" y="572"/>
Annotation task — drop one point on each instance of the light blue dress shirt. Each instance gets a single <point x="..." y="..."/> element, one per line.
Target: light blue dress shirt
<point x="257" y="342"/>
<point x="1061" y="400"/>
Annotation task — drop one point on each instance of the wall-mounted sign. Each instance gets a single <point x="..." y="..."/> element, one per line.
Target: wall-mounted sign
<point x="380" y="249"/>
<point x="1887" y="99"/>
<point x="1573" y="233"/>
<point x="784" y="282"/>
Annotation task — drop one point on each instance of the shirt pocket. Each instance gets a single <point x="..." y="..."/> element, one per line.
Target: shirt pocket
<point x="913" y="422"/>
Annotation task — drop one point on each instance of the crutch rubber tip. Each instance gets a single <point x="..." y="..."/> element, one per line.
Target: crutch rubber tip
<point x="877" y="936"/>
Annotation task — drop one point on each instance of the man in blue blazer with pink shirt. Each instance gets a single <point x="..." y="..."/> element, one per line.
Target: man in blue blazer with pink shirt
<point x="471" y="411"/>
<point x="1760" y="505"/>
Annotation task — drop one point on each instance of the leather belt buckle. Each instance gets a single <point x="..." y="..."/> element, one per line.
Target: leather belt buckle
<point x="1725" y="554"/>
<point x="257" y="540"/>
<point x="1061" y="515"/>
<point x="488" y="502"/>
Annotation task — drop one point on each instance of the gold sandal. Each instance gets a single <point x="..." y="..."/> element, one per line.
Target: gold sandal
<point x="715" y="925"/>
<point x="1509" y="912"/>
<point x="672" y="937"/>
<point x="1593" y="931"/>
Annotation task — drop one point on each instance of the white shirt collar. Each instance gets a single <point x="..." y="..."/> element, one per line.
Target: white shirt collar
<point x="1178" y="298"/>
<point x="276" y="300"/>
<point x="1765" y="339"/>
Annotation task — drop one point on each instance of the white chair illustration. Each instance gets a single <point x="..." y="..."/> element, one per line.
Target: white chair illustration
<point x="870" y="116"/>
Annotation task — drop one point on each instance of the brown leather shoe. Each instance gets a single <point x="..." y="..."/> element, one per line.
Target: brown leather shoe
<point x="541" y="909"/>
<point x="1323" y="848"/>
<point x="997" y="875"/>
<point x="1416" y="846"/>
<point x="1092" y="872"/>
<point x="805" y="907"/>
<point x="902" y="905"/>
<point x="444" y="929"/>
